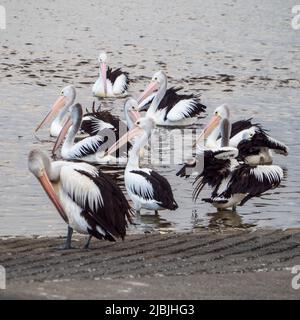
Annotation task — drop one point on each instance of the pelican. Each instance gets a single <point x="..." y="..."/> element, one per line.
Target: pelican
<point x="168" y="108"/>
<point x="91" y="149"/>
<point x="110" y="83"/>
<point x="257" y="150"/>
<point x="146" y="188"/>
<point x="86" y="198"/>
<point x="233" y="182"/>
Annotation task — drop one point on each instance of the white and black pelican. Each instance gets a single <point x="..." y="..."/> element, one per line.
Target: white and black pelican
<point x="233" y="182"/>
<point x="146" y="188"/>
<point x="168" y="108"/>
<point x="86" y="198"/>
<point x="110" y="83"/>
<point x="256" y="150"/>
<point x="91" y="149"/>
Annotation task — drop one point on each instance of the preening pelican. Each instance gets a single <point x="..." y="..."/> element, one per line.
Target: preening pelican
<point x="233" y="182"/>
<point x="91" y="149"/>
<point x="256" y="150"/>
<point x="86" y="198"/>
<point x="145" y="187"/>
<point x="169" y="108"/>
<point x="110" y="83"/>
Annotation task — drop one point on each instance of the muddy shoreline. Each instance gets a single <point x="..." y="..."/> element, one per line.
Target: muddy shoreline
<point x="193" y="265"/>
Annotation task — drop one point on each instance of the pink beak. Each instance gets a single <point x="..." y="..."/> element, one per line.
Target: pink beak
<point x="150" y="89"/>
<point x="47" y="186"/>
<point x="59" y="103"/>
<point x="123" y="140"/>
<point x="103" y="68"/>
<point x="135" y="115"/>
<point x="208" y="129"/>
<point x="62" y="135"/>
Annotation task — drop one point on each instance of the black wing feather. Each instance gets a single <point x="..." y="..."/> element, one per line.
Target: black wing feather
<point x="239" y="126"/>
<point x="214" y="171"/>
<point x="113" y="75"/>
<point x="116" y="211"/>
<point x="162" y="190"/>
<point x="260" y="140"/>
<point x="120" y="128"/>
<point x="87" y="125"/>
<point x="90" y="149"/>
<point x="171" y="98"/>
<point x="245" y="181"/>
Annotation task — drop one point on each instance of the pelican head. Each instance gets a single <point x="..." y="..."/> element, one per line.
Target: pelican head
<point x="69" y="94"/>
<point x="220" y="114"/>
<point x="131" y="107"/>
<point x="146" y="124"/>
<point x="103" y="57"/>
<point x="131" y="104"/>
<point x="66" y="98"/>
<point x="39" y="165"/>
<point x="38" y="162"/>
<point x="158" y="80"/>
<point x="248" y="134"/>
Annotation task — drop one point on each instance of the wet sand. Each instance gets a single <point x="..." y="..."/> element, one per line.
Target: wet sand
<point x="236" y="264"/>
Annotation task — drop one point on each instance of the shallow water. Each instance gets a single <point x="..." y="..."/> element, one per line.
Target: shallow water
<point x="244" y="54"/>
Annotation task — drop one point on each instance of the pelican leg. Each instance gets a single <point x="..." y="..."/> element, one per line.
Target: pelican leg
<point x="87" y="244"/>
<point x="156" y="212"/>
<point x="67" y="244"/>
<point x="234" y="208"/>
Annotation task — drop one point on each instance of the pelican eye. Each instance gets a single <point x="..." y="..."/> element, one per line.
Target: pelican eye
<point x="216" y="113"/>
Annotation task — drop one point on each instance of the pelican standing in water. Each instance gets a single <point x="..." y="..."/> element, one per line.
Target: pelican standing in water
<point x="145" y="187"/>
<point x="257" y="150"/>
<point x="233" y="182"/>
<point x="86" y="198"/>
<point x="110" y="83"/>
<point x="168" y="108"/>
